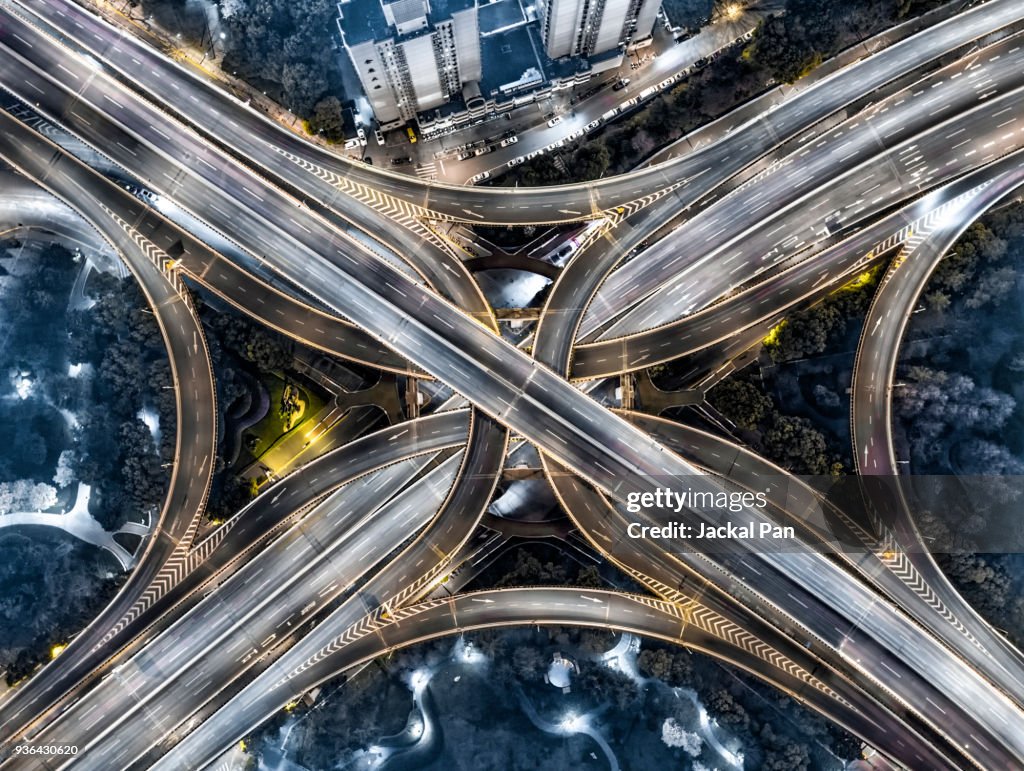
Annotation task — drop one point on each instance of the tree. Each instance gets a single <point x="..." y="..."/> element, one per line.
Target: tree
<point x="528" y="664"/>
<point x="65" y="473"/>
<point x="328" y="119"/>
<point x="796" y="445"/>
<point x="672" y="667"/>
<point x="721" y="705"/>
<point x="675" y="736"/>
<point x="741" y="402"/>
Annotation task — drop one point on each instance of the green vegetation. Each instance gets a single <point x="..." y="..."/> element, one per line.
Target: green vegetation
<point x="288" y="48"/>
<point x="67" y="424"/>
<point x="811" y="331"/>
<point x="976" y="270"/>
<point x="792" y="442"/>
<point x="783" y="49"/>
<point x="790" y="46"/>
<point x="290" y="407"/>
<point x="119" y="337"/>
<point x="53" y="585"/>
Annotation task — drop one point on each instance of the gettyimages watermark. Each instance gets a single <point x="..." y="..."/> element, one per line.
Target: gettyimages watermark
<point x="852" y="514"/>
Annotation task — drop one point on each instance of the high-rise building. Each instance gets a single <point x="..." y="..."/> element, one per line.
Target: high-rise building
<point x="590" y="27"/>
<point x="411" y="55"/>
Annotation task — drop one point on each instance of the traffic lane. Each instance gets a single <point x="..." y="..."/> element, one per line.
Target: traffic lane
<point x="195" y="440"/>
<point x="265" y="302"/>
<point x="232" y="546"/>
<point x="874" y="557"/>
<point x="319" y="241"/>
<point x="215" y="642"/>
<point x="478" y="611"/>
<point x="822" y="99"/>
<point x="404" y="323"/>
<point x="878" y="350"/>
<point x="722" y="232"/>
<point x="629" y="452"/>
<point x="204" y="107"/>
<point x="720" y="612"/>
<point x="419" y="568"/>
<point x="812" y="276"/>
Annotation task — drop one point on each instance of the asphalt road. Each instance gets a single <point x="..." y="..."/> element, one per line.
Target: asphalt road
<point x="599" y="446"/>
<point x="868" y="164"/>
<point x="520" y="205"/>
<point x="195" y="437"/>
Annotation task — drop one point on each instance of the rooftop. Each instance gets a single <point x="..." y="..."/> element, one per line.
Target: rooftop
<point x="506" y="56"/>
<point x="363" y="20"/>
<point x="500" y="14"/>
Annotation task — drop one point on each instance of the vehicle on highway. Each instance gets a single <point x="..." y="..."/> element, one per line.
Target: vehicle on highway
<point x="466" y="155"/>
<point x="620" y="84"/>
<point x="400" y="161"/>
<point x="509" y="141"/>
<point x="480" y="177"/>
<point x="482" y="150"/>
<point x="554" y="121"/>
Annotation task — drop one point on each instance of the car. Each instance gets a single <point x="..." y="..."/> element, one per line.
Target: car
<point x="510" y="141"/>
<point x="510" y="133"/>
<point x="412" y="135"/>
<point x="554" y="121"/>
<point x="628" y="103"/>
<point x="480" y="177"/>
<point x="555" y="145"/>
<point x="535" y="153"/>
<point x="352" y="144"/>
<point x="620" y="84"/>
<point x="482" y="150"/>
<point x="592" y="125"/>
<point x="517" y="161"/>
<point x="362" y="136"/>
<point x="399" y="161"/>
<point x="666" y="83"/>
<point x="576" y="134"/>
<point x="466" y="155"/>
<point x="610" y="114"/>
<point x="379" y="136"/>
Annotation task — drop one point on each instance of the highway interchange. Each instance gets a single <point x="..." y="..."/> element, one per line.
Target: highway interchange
<point x="196" y="650"/>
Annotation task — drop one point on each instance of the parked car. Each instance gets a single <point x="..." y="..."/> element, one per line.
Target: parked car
<point x="510" y="141"/>
<point x="352" y="144"/>
<point x="400" y="161"/>
<point x="466" y="155"/>
<point x="517" y="161"/>
<point x="592" y="125"/>
<point x="482" y="150"/>
<point x="480" y="177"/>
<point x="362" y="136"/>
<point x="620" y="84"/>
